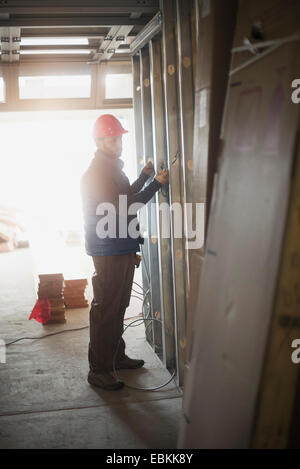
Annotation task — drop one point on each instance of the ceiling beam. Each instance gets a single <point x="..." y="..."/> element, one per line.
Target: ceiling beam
<point x="71" y="21"/>
<point x="91" y="33"/>
<point x="147" y="33"/>
<point x="73" y="7"/>
<point x="97" y="32"/>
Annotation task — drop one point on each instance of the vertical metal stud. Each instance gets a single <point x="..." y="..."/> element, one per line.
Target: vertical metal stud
<point x="137" y="102"/>
<point x="174" y="162"/>
<point x="164" y="244"/>
<point x="153" y="266"/>
<point x="186" y="105"/>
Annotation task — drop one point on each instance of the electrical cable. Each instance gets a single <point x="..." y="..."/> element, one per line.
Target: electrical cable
<point x="136" y="387"/>
<point x="137" y="292"/>
<point x="141" y="320"/>
<point x="58" y="332"/>
<point x="138" y="285"/>
<point x="138" y="297"/>
<point x="47" y="335"/>
<point x="274" y="45"/>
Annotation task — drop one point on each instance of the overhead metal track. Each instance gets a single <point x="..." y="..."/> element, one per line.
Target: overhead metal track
<point x="106" y="24"/>
<point x="97" y="33"/>
<point x="10" y="44"/>
<point x="116" y="37"/>
<point x="71" y="21"/>
<point x="147" y="33"/>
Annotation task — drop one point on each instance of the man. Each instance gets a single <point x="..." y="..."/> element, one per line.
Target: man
<point x="114" y="257"/>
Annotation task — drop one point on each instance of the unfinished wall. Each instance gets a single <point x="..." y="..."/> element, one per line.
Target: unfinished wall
<point x="226" y="387"/>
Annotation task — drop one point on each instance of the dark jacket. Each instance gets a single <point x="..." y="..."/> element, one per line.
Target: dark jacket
<point x="104" y="181"/>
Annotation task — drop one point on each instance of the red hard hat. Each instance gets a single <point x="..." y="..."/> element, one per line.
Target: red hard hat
<point x="108" y="125"/>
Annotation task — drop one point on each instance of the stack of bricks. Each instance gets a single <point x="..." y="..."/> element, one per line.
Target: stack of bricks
<point x="74" y="293"/>
<point x="51" y="287"/>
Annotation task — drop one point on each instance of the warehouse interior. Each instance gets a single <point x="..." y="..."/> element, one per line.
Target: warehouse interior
<point x="210" y="90"/>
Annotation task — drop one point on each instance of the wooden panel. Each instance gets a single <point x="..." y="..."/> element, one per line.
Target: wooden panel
<point x="242" y="256"/>
<point x="275" y="408"/>
<point x="215" y="28"/>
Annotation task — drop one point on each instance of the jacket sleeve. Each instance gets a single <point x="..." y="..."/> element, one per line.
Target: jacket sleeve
<point x="139" y="197"/>
<point x="101" y="191"/>
<point x="145" y="195"/>
<point x="139" y="183"/>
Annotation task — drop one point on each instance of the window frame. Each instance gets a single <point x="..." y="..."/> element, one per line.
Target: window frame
<point x="12" y="71"/>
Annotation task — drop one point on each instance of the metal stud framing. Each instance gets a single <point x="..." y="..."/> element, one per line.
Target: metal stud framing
<point x="174" y="163"/>
<point x="139" y="138"/>
<point x="164" y="244"/>
<point x="167" y="118"/>
<point x="116" y="37"/>
<point x="151" y="240"/>
<point x="186" y="106"/>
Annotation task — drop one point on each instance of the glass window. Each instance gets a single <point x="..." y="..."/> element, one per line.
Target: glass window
<point x="54" y="51"/>
<point x="51" y="87"/>
<point x="2" y="90"/>
<point x="53" y="41"/>
<point x="118" y="86"/>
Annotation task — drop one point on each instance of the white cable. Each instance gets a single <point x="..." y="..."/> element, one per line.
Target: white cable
<point x="276" y="45"/>
<point x="137" y="292"/>
<point x="138" y="285"/>
<point x="138" y="297"/>
<point x="114" y="363"/>
<point x="257" y="45"/>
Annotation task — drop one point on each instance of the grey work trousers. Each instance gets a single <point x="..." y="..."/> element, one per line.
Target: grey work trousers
<point x="112" y="283"/>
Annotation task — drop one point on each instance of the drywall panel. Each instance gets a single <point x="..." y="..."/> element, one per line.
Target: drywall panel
<point x="245" y="233"/>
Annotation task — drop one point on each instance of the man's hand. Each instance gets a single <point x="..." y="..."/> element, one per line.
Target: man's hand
<point x="148" y="169"/>
<point x="162" y="176"/>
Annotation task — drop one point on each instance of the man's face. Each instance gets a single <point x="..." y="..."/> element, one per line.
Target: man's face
<point x="111" y="146"/>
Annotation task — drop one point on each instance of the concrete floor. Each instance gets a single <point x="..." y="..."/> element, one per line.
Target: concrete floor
<point x="45" y="400"/>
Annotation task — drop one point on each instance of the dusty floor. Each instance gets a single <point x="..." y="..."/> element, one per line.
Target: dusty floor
<point x="45" y="400"/>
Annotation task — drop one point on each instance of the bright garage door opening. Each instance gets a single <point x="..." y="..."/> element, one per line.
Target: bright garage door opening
<point x="43" y="155"/>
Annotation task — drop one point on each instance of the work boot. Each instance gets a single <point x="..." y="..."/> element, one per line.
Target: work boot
<point x="105" y="381"/>
<point x="127" y="363"/>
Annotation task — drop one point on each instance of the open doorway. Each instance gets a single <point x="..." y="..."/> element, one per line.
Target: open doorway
<point x="43" y="155"/>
